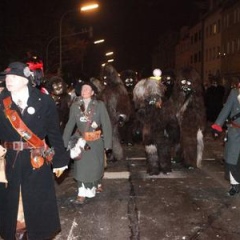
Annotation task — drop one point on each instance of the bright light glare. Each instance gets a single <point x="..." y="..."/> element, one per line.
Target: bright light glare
<point x="89" y="7"/>
<point x="111" y="60"/>
<point x="109" y="53"/>
<point x="98" y="41"/>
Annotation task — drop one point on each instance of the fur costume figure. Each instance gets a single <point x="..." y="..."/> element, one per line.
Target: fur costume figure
<point x="57" y="88"/>
<point x="188" y="97"/>
<point x="160" y="126"/>
<point x="168" y="79"/>
<point x="117" y="101"/>
<point x="130" y="132"/>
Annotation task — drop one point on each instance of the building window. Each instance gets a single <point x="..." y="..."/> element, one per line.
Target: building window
<point x="195" y="37"/>
<point x="219" y="26"/>
<point x="214" y="29"/>
<point x="227" y="20"/>
<point x="228" y="47"/>
<point x="218" y="52"/>
<point x="195" y="57"/>
<point x="213" y="53"/>
<point x="235" y="13"/>
<point x="200" y="35"/>
<point x="233" y="46"/>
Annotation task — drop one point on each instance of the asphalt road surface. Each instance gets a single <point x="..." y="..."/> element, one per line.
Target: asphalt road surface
<point x="185" y="204"/>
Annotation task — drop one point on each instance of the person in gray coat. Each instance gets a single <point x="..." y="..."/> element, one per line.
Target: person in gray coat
<point x="91" y="118"/>
<point x="231" y="111"/>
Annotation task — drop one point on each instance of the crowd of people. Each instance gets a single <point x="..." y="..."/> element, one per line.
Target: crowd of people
<point x="37" y="124"/>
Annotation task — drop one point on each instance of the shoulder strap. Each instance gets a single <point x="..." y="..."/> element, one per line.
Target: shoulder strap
<point x="20" y="126"/>
<point x="233" y="118"/>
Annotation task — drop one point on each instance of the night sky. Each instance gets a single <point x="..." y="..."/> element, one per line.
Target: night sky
<point x="130" y="27"/>
<point x="133" y="26"/>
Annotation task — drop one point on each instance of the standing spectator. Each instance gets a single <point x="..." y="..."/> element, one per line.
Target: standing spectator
<point x="57" y="88"/>
<point x="30" y="206"/>
<point x="231" y="109"/>
<point x="214" y="99"/>
<point x="93" y="123"/>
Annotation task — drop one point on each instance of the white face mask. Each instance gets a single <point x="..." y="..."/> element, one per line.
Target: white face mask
<point x="15" y="83"/>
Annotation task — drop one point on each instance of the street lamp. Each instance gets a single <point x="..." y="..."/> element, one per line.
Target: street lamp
<point x="108" y="53"/>
<point x="99" y="41"/>
<point x="82" y="9"/>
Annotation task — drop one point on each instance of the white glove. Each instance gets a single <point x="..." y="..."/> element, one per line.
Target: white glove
<point x="59" y="171"/>
<point x="81" y="143"/>
<point x="77" y="149"/>
<point x="75" y="152"/>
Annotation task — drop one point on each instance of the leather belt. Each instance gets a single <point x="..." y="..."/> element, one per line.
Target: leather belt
<point x="92" y="136"/>
<point x="235" y="125"/>
<point x="17" y="145"/>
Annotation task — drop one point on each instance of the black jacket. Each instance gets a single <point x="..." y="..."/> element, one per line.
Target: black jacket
<point x="38" y="193"/>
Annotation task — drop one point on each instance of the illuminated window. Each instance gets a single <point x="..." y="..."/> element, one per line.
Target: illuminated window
<point x="214" y="29"/>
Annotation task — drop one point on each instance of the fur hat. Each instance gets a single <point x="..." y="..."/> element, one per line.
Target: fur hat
<point x="19" y="69"/>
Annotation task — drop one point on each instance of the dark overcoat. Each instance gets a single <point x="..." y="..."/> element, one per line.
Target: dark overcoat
<point x="37" y="186"/>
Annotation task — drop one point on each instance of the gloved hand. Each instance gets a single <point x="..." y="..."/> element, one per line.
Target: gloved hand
<point x="109" y="155"/>
<point x="59" y="171"/>
<point x="216" y="130"/>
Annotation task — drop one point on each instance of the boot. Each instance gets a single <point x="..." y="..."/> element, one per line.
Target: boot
<point x="235" y="188"/>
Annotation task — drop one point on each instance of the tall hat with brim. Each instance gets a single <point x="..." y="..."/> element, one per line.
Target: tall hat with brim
<point x="19" y="69"/>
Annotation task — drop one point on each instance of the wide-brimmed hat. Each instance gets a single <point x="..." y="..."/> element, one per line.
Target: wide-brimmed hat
<point x="79" y="85"/>
<point x="19" y="69"/>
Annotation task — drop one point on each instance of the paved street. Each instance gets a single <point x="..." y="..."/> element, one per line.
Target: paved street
<point x="186" y="204"/>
